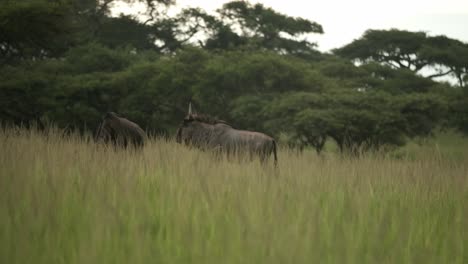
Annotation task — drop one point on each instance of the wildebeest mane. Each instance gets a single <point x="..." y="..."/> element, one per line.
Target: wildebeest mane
<point x="206" y="119"/>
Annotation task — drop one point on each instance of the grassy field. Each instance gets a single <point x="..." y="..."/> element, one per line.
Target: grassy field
<point x="68" y="201"/>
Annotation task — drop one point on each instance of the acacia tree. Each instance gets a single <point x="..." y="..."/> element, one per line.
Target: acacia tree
<point x="414" y="51"/>
<point x="153" y="30"/>
<point x="356" y="121"/>
<point x="451" y="53"/>
<point x="266" y="28"/>
<point x="301" y="115"/>
<point x="395" y="48"/>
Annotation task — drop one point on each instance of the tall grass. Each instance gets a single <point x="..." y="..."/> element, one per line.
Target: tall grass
<point x="67" y="200"/>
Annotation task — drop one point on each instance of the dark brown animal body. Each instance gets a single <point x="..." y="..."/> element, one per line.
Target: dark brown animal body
<point x="120" y="131"/>
<point x="207" y="133"/>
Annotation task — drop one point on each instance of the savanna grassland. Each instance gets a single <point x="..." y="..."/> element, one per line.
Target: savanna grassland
<point x="67" y="200"/>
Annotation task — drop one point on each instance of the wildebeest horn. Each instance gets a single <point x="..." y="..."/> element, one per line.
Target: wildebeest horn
<point x="190" y="108"/>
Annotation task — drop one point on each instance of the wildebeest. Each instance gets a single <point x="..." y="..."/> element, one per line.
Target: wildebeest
<point x="205" y="132"/>
<point x="120" y="131"/>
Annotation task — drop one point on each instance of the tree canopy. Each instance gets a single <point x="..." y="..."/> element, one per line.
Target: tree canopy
<point x="70" y="62"/>
<point x="414" y="51"/>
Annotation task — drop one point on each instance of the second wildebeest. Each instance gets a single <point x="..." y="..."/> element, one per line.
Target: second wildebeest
<point x="205" y="132"/>
<point x="120" y="131"/>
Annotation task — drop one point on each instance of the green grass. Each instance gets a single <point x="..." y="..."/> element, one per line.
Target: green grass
<point x="449" y="145"/>
<point x="63" y="200"/>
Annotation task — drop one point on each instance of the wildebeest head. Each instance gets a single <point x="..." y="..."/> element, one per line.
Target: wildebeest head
<point x="185" y="129"/>
<point x="105" y="131"/>
<point x="195" y="128"/>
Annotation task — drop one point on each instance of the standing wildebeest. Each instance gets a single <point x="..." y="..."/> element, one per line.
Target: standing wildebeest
<point x="120" y="131"/>
<point x="208" y="133"/>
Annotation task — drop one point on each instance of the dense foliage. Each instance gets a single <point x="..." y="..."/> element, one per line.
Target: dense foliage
<point x="71" y="61"/>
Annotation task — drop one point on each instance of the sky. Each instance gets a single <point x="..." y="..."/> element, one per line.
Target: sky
<point x="343" y="21"/>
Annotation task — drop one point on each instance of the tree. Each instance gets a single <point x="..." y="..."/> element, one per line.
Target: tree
<point x="268" y="29"/>
<point x="38" y="29"/>
<point x="33" y="29"/>
<point x="413" y="51"/>
<point x="459" y="111"/>
<point x="395" y="81"/>
<point x="356" y="121"/>
<point x="161" y="90"/>
<point x="450" y="53"/>
<point x="374" y="76"/>
<point x="22" y="93"/>
<point x="156" y="31"/>
<point x="302" y="116"/>
<point x="247" y="112"/>
<point x="228" y="75"/>
<point x="125" y="31"/>
<point x="395" y="48"/>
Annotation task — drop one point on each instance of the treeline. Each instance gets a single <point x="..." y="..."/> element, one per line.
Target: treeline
<point x="68" y="62"/>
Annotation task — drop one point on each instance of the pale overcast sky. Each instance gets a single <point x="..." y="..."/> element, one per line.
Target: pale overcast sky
<point x="343" y="21"/>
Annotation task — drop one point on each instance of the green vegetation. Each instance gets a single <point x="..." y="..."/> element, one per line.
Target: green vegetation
<point x="70" y="62"/>
<point x="258" y="90"/>
<point x="65" y="200"/>
<point x="371" y="184"/>
<point x="414" y="51"/>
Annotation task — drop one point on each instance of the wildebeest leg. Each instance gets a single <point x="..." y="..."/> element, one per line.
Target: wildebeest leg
<point x="274" y="152"/>
<point x="229" y="152"/>
<point x="97" y="134"/>
<point x="263" y="158"/>
<point x="218" y="152"/>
